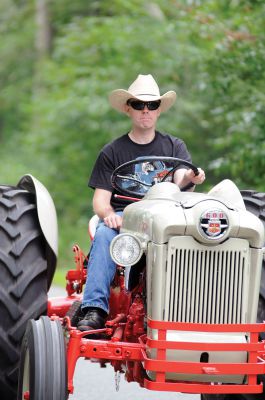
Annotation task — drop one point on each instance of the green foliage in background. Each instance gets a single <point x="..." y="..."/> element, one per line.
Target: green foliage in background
<point x="54" y="111"/>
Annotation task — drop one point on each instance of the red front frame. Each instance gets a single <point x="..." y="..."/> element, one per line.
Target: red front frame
<point x="135" y="357"/>
<point x="127" y="342"/>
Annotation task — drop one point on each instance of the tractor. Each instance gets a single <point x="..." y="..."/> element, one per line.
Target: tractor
<point x="186" y="304"/>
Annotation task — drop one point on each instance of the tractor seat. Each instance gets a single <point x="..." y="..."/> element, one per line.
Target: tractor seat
<point x="92" y="226"/>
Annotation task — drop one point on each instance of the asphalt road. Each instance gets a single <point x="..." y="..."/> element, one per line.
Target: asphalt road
<point x="94" y="383"/>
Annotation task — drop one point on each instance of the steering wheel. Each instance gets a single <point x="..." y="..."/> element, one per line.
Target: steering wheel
<point x="126" y="180"/>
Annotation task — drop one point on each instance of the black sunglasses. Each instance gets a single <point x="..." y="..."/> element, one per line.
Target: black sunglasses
<point x="140" y="105"/>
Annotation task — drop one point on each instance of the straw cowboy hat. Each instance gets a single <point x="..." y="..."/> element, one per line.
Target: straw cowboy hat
<point x="144" y="88"/>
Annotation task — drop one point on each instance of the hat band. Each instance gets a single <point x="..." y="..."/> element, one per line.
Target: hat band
<point x="146" y="94"/>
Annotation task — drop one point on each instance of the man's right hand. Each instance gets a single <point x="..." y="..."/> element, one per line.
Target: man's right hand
<point x="113" y="221"/>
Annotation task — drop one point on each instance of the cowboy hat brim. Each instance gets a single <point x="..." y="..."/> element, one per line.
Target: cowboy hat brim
<point x="119" y="97"/>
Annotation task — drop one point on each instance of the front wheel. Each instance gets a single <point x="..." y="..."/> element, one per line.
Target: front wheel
<point x="42" y="369"/>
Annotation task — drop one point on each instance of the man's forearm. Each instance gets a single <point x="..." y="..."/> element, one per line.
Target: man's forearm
<point x="180" y="177"/>
<point x="102" y="210"/>
<point x="108" y="215"/>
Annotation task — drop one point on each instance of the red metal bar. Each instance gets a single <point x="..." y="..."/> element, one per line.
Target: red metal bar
<point x="182" y="367"/>
<point x="191" y="387"/>
<point x="254" y="337"/>
<point x="103" y="349"/>
<point x="185" y="326"/>
<point x="73" y="353"/>
<point x="200" y="346"/>
<point x="161" y="354"/>
<point x="160" y="366"/>
<point x="119" y="196"/>
<point x="111" y="350"/>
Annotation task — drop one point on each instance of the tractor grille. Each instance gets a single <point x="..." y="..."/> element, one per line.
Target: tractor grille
<point x="206" y="284"/>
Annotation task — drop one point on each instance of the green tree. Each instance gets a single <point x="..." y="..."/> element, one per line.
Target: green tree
<point x="55" y="116"/>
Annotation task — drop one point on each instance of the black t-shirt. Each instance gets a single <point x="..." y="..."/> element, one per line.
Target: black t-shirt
<point x="122" y="150"/>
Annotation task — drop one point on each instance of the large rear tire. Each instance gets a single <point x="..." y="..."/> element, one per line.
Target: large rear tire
<point x="43" y="371"/>
<point x="255" y="203"/>
<point x="23" y="279"/>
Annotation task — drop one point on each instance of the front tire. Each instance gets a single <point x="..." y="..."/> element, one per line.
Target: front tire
<point x="43" y="371"/>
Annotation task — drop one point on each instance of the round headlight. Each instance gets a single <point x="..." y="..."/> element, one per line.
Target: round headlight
<point x="126" y="250"/>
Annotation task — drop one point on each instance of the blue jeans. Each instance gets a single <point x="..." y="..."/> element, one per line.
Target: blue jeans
<point x="101" y="268"/>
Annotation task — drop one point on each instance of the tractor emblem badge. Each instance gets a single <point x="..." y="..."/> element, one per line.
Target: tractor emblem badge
<point x="213" y="224"/>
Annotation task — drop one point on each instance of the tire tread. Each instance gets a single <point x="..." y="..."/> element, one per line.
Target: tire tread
<point x="23" y="279"/>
